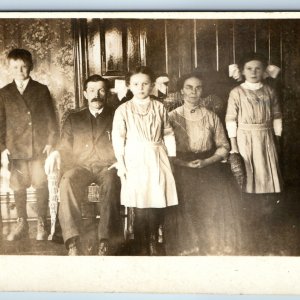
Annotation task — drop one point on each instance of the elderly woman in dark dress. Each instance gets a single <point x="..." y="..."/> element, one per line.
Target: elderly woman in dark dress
<point x="204" y="222"/>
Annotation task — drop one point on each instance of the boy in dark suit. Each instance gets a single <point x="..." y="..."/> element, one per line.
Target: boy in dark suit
<point x="28" y="131"/>
<point x="86" y="154"/>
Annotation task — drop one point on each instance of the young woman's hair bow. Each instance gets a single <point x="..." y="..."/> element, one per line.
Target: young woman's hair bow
<point x="234" y="72"/>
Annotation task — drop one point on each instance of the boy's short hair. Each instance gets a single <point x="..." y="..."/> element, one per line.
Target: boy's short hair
<point x="22" y="54"/>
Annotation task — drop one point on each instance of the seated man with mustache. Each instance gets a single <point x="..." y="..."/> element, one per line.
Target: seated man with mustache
<point x="86" y="153"/>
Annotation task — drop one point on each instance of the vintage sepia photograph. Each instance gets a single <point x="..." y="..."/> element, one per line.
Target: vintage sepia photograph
<point x="149" y="135"/>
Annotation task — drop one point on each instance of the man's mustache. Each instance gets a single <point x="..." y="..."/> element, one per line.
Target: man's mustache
<point x="98" y="99"/>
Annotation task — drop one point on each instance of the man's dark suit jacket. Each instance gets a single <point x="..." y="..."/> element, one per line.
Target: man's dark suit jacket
<point x="27" y="122"/>
<point x="77" y="145"/>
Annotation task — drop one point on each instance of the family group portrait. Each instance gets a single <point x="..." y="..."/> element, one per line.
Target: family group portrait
<point x="149" y="136"/>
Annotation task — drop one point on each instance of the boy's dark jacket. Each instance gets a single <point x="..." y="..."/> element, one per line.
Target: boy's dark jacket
<point x="27" y="122"/>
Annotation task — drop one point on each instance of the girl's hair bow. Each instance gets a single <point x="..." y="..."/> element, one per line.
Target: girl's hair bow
<point x="234" y="72"/>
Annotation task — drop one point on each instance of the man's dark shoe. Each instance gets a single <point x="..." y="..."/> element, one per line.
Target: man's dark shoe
<point x="104" y="248"/>
<point x="73" y="246"/>
<point x="20" y="231"/>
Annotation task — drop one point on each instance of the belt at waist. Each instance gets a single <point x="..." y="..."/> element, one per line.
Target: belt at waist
<point x="263" y="126"/>
<point x="136" y="143"/>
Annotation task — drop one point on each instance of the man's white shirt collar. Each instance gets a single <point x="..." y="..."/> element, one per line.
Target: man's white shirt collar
<point x="94" y="111"/>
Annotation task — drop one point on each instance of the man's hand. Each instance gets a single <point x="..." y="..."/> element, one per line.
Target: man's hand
<point x="52" y="163"/>
<point x="4" y="158"/>
<point x="122" y="172"/>
<point x="48" y="149"/>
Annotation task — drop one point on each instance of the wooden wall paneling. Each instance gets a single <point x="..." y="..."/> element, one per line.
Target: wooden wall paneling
<point x="102" y="45"/>
<point x="291" y="100"/>
<point x="244" y="36"/>
<point x="77" y="63"/>
<point x="275" y="54"/>
<point x="133" y="44"/>
<point x="215" y="53"/>
<point x="218" y="81"/>
<point x="79" y="28"/>
<point x="217" y="46"/>
<point x="166" y="46"/>
<point x="206" y="45"/>
<point x="185" y="46"/>
<point x="173" y="53"/>
<point x="143" y="44"/>
<point x="195" y="50"/>
<point x="94" y="46"/>
<point x="275" y="42"/>
<point x="156" y="47"/>
<point x="124" y="26"/>
<point x="263" y="37"/>
<point x="225" y="45"/>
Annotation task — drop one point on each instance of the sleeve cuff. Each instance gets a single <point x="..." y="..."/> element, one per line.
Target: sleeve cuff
<point x="277" y="125"/>
<point x="170" y="145"/>
<point x="118" y="146"/>
<point x="231" y="128"/>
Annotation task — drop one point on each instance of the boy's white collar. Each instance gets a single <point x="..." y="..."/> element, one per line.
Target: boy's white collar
<point x="22" y="83"/>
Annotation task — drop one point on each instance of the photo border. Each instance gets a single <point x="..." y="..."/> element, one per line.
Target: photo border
<point x="234" y="275"/>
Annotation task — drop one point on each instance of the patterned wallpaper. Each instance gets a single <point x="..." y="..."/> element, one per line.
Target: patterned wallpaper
<point x="51" y="44"/>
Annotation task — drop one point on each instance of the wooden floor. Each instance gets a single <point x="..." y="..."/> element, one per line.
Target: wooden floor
<point x="286" y="241"/>
<point x="30" y="246"/>
<point x="33" y="247"/>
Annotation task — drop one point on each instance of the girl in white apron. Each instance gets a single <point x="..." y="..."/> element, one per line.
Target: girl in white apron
<point x="142" y="140"/>
<point x="254" y="125"/>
